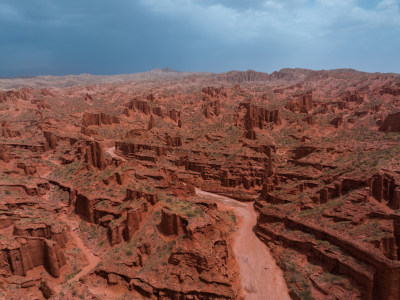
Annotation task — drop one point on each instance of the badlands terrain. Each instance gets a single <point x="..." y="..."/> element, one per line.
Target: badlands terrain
<point x="169" y="185"/>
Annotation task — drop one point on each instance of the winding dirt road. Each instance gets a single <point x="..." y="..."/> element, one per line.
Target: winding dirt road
<point x="261" y="278"/>
<point x="93" y="260"/>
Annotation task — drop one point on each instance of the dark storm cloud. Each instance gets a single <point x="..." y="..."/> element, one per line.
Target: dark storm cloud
<point x="62" y="37"/>
<point x="125" y="36"/>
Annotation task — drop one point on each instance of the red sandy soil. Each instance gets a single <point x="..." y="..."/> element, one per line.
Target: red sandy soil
<point x="92" y="259"/>
<point x="261" y="278"/>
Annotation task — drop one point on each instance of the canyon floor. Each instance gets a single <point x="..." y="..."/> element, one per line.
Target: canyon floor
<point x="168" y="185"/>
<point x="260" y="277"/>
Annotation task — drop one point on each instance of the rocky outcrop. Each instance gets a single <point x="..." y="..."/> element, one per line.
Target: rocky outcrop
<point x="173" y="141"/>
<point x="122" y="221"/>
<point x="202" y="263"/>
<point x="248" y="76"/>
<point x="126" y="112"/>
<point x="302" y="151"/>
<point x="46" y="289"/>
<point x="7" y="132"/>
<point x="140" y="105"/>
<point x="379" y="277"/>
<point x="212" y="108"/>
<point x="23" y="94"/>
<point x="337" y="122"/>
<point x="46" y="92"/>
<point x="247" y="174"/>
<point x="132" y="223"/>
<point x="158" y="111"/>
<point x="32" y="188"/>
<point x="150" y="97"/>
<point x="172" y="223"/>
<point x="31" y="147"/>
<point x="383" y="187"/>
<point x="84" y="206"/>
<point x="292" y="105"/>
<point x="121" y="228"/>
<point x="115" y="231"/>
<point x="309" y="120"/>
<point x="251" y="134"/>
<point x="117" y="177"/>
<point x="41" y="104"/>
<point x="151" y="123"/>
<point x="306" y="102"/>
<point x="88" y="98"/>
<point x="94" y="155"/>
<point x="388" y="90"/>
<point x="4" y="154"/>
<point x="174" y="115"/>
<point x="88" y="132"/>
<point x="353" y="97"/>
<point x="342" y="105"/>
<point x="391" y="123"/>
<point x="99" y="119"/>
<point x="51" y="140"/>
<point x="57" y="234"/>
<point x="28" y="170"/>
<point x="303" y="104"/>
<point x="394" y="202"/>
<point x="256" y="116"/>
<point x="135" y="195"/>
<point x="266" y="149"/>
<point x="213" y="92"/>
<point x="129" y="149"/>
<point x="23" y="254"/>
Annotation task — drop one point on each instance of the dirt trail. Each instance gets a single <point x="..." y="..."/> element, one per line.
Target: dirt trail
<point x="92" y="259"/>
<point x="111" y="151"/>
<point x="261" y="278"/>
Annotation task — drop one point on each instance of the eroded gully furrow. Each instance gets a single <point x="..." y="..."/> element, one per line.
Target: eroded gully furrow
<point x="93" y="260"/>
<point x="261" y="278"/>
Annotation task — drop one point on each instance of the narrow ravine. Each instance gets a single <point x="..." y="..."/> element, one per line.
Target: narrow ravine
<point x="93" y="260"/>
<point x="261" y="278"/>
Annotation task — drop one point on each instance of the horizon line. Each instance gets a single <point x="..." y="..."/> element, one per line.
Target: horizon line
<point x="169" y="70"/>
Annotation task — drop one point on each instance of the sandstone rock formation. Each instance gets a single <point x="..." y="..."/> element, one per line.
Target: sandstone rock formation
<point x="174" y="115"/>
<point x="388" y="90"/>
<point x="51" y="140"/>
<point x="94" y="155"/>
<point x="391" y="123"/>
<point x="172" y="224"/>
<point x="151" y="123"/>
<point x="99" y="119"/>
<point x="4" y="155"/>
<point x="23" y="254"/>
<point x="303" y="103"/>
<point x="140" y="105"/>
<point x="7" y="132"/>
<point x="113" y="209"/>
<point x="88" y="98"/>
<point x="258" y="116"/>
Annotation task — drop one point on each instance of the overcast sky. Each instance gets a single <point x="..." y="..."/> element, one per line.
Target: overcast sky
<point x="58" y="37"/>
